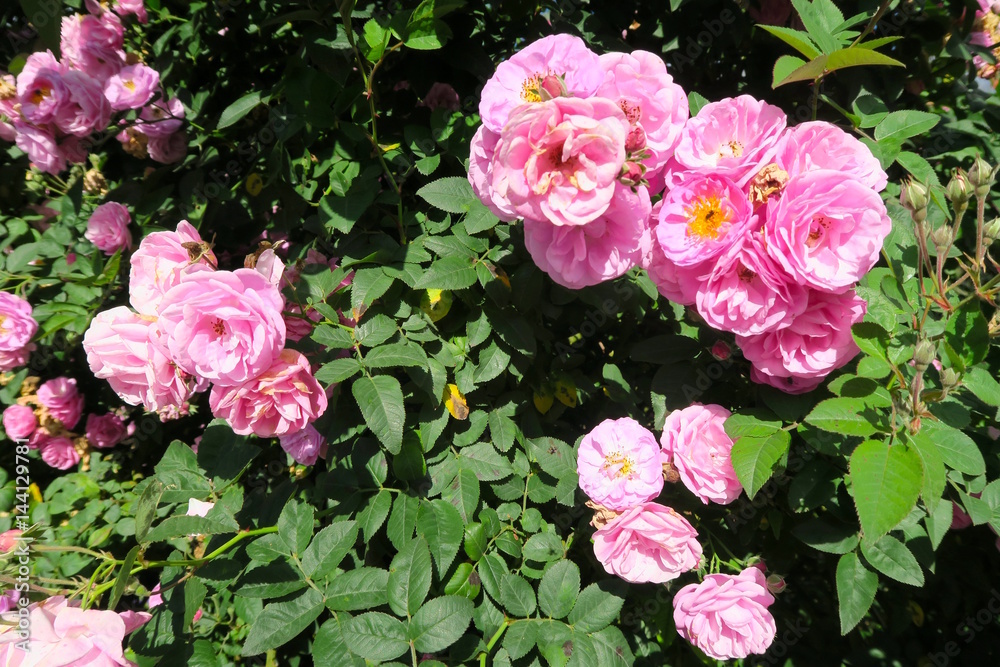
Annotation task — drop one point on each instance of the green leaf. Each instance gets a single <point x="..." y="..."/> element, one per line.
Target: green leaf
<point x="841" y="415"/>
<point x="295" y="525"/>
<point x="268" y="547"/>
<point x="596" y="608"/>
<point x="463" y="493"/>
<point x="612" y="648"/>
<point x="492" y="362"/>
<point x="559" y="589"/>
<point x="754" y="459"/>
<point x="543" y="547"/>
<point x="982" y="385"/>
<point x="741" y="424"/>
<point x="796" y="39"/>
<point x="338" y="370"/>
<point x="818" y="23"/>
<point x="957" y="449"/>
<point x="826" y="537"/>
<point x="785" y="67"/>
<point x="856" y="586"/>
<point x="376" y="37"/>
<point x="410" y="577"/>
<point x="373" y="516"/>
<point x="449" y="273"/>
<point x="968" y="334"/>
<point x="933" y="468"/>
<point x="145" y="510"/>
<point x="872" y="339"/>
<point x="380" y="399"/>
<point x="367" y="286"/>
<point x="887" y="482"/>
<point x="441" y="524"/>
<point x="363" y="588"/>
<point x="124" y="574"/>
<point x="238" y="109"/>
<point x="520" y="638"/>
<point x="330" y="647"/>
<point x="696" y="100"/>
<point x="181" y="526"/>
<point x="517" y="596"/>
<point x="938" y="522"/>
<point x="453" y="194"/>
<point x="281" y="621"/>
<point x="891" y="557"/>
<point x="396" y="355"/>
<point x="376" y="636"/>
<point x="901" y="125"/>
<point x="855" y="57"/>
<point x="271" y="581"/>
<point x="440" y="623"/>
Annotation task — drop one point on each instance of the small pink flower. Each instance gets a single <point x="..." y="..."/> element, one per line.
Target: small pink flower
<point x="198" y="507"/>
<point x="559" y="160"/>
<point x="721" y="350"/>
<point x="107" y="228"/>
<point x="518" y="80"/>
<point x="19" y="422"/>
<point x="649" y="543"/>
<point x="59" y="452"/>
<point x="41" y="88"/>
<point x="696" y="442"/>
<point x="132" y="87"/>
<point x="168" y="149"/>
<point x="126" y="7"/>
<point x="159" y="264"/>
<point x="9" y="540"/>
<point x="85" y="110"/>
<point x="17" y="326"/>
<point x="482" y="149"/>
<point x="821" y="145"/>
<point x="105" y="431"/>
<point x="283" y="400"/>
<point x="62" y="399"/>
<point x="442" y="96"/>
<point x="161" y="119"/>
<point x="726" y="616"/>
<point x="305" y="446"/>
<point x="93" y="44"/>
<point x="620" y="464"/>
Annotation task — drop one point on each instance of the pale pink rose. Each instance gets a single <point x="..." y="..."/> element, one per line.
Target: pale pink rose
<point x="702" y="219"/>
<point x="59" y="452"/>
<point x="560" y="160"/>
<point x="93" y="44"/>
<point x="826" y="231"/>
<point x="9" y="360"/>
<point x="482" y="149"/>
<point x="105" y="431"/>
<point x="107" y="228"/>
<point x="125" y="7"/>
<point x="441" y="96"/>
<point x="168" y="149"/>
<point x="582" y="255"/>
<point x="649" y="543"/>
<point x="283" y="400"/>
<point x="798" y="357"/>
<point x="959" y="519"/>
<point x="17" y="326"/>
<point x="41" y="88"/>
<point x="120" y="350"/>
<point x="225" y="326"/>
<point x="198" y="507"/>
<point x="821" y="145"/>
<point x="40" y="145"/>
<point x="695" y="440"/>
<point x="564" y="60"/>
<point x="9" y="540"/>
<point x="620" y="464"/>
<point x="85" y="110"/>
<point x="19" y="422"/>
<point x="652" y="102"/>
<point x="63" y="635"/>
<point x="733" y="137"/>
<point x="161" y="119"/>
<point x="159" y="264"/>
<point x="726" y="616"/>
<point x="748" y="293"/>
<point x="305" y="446"/>
<point x="62" y="399"/>
<point x="270" y="266"/>
<point x="132" y="87"/>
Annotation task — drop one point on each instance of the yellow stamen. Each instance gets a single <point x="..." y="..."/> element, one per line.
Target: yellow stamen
<point x="622" y="465"/>
<point x="706" y="216"/>
<point x="130" y="85"/>
<point x="529" y="89"/>
<point x="40" y="94"/>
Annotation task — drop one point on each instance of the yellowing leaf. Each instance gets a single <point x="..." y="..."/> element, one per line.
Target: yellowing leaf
<point x="454" y="400"/>
<point x="254" y="184"/>
<point x="543" y="399"/>
<point x="566" y="392"/>
<point x="436" y="303"/>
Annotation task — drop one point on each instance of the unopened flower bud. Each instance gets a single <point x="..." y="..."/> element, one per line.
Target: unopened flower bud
<point x="721" y="350"/>
<point x="959" y="189"/>
<point x="775" y="584"/>
<point x="636" y="140"/>
<point x="924" y="355"/>
<point x="551" y="87"/>
<point x="913" y="197"/>
<point x="632" y="173"/>
<point x="941" y="238"/>
<point x="992" y="230"/>
<point x="981" y="177"/>
<point x="949" y="378"/>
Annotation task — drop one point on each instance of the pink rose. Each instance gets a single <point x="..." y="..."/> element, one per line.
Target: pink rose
<point x="748" y="293"/>
<point x="482" y="149"/>
<point x="132" y="87"/>
<point x="826" y="231"/>
<point x="560" y="160"/>
<point x="726" y="616"/>
<point x="74" y="149"/>
<point x="125" y="7"/>
<point x="19" y="422"/>
<point x="821" y="145"/>
<point x="17" y="326"/>
<point x="85" y="110"/>
<point x="62" y="399"/>
<point x="305" y="446"/>
<point x="733" y="137"/>
<point x="270" y="266"/>
<point x="298" y="327"/>
<point x="93" y="44"/>
<point x="155" y="599"/>
<point x="959" y="519"/>
<point x="161" y="119"/>
<point x="40" y="145"/>
<point x="9" y="540"/>
<point x="107" y="228"/>
<point x="563" y="59"/>
<point x="105" y="431"/>
<point x="59" y="452"/>
<point x="168" y="149"/>
<point x="582" y="255"/>
<point x="798" y="357"/>
<point x="702" y="218"/>
<point x="225" y="326"/>
<point x="159" y="264"/>
<point x="119" y="350"/>
<point x="620" y="464"/>
<point x="198" y="507"/>
<point x="16" y="358"/>
<point x="696" y="442"/>
<point x="41" y="88"/>
<point x="283" y="400"/>
<point x="649" y="543"/>
<point x="680" y="284"/>
<point x="63" y="634"/>
<point x="442" y="96"/>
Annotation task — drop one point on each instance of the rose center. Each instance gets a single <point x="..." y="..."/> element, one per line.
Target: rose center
<point x="633" y="112"/>
<point x="816" y="231"/>
<point x="39" y="94"/>
<point x="530" y="89"/>
<point x="735" y="149"/>
<point x="706" y="216"/>
<point x="745" y="274"/>
<point x="618" y="465"/>
<point x="129" y="84"/>
<point x="219" y="327"/>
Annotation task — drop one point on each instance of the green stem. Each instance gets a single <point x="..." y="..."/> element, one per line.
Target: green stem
<point x="874" y="21"/>
<point x="493" y="641"/>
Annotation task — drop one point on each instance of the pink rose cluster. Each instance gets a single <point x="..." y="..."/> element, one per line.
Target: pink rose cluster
<point x="986" y="32"/>
<point x="765" y="229"/>
<point x="17" y="327"/>
<point x="54" y="106"/>
<point x="192" y="326"/>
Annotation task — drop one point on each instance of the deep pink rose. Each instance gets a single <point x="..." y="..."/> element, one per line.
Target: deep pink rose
<point x="40" y="145"/>
<point x="442" y="96"/>
<point x="821" y="145"/>
<point x="696" y="442"/>
<point x="826" y="231"/>
<point x="798" y="357"/>
<point x="86" y="110"/>
<point x="19" y="422"/>
<point x="168" y="149"/>
<point x="59" y="452"/>
<point x="726" y="616"/>
<point x="582" y="255"/>
<point x="702" y="218"/>
<point x="119" y="350"/>
<point x="482" y="149"/>
<point x="107" y="228"/>
<point x="159" y="264"/>
<point x="620" y="464"/>
<point x="649" y="543"/>
<point x="560" y="160"/>
<point x="62" y="399"/>
<point x="93" y="44"/>
<point x="748" y="292"/>
<point x="132" y="87"/>
<point x="41" y="88"/>
<point x="733" y="137"/>
<point x="126" y="7"/>
<point x="304" y="446"/>
<point x="564" y="58"/>
<point x="283" y="400"/>
<point x="161" y="119"/>
<point x="63" y="635"/>
<point x="225" y="326"/>
<point x="17" y="326"/>
<point x="105" y="431"/>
